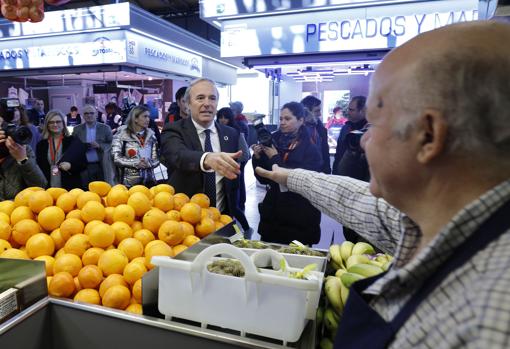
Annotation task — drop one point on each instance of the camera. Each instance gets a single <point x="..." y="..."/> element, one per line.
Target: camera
<point x="20" y="134"/>
<point x="263" y="135"/>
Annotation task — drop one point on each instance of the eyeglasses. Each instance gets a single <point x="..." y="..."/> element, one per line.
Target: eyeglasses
<point x="86" y="113"/>
<point x="55" y="122"/>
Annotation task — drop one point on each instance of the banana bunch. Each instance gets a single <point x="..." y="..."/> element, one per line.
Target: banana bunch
<point x="352" y="262"/>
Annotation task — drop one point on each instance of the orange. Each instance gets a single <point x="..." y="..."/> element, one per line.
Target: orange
<point x="166" y="188"/>
<point x="117" y="297"/>
<point x="158" y="249"/>
<point x="4" y="245"/>
<point x="77" y="285"/>
<point x="85" y="197"/>
<point x="111" y="280"/>
<point x="112" y="262"/>
<point x="70" y="227"/>
<point x="51" y="217"/>
<point x="101" y="235"/>
<point x="77" y="244"/>
<point x="66" y="202"/>
<point x="4" y="217"/>
<point x="140" y="203"/>
<point x="218" y="225"/>
<point x="90" y="276"/>
<point x="190" y="240"/>
<point x="7" y="206"/>
<point x="140" y="189"/>
<point x="179" y="200"/>
<point x="174" y="215"/>
<point x="205" y="227"/>
<point x="91" y="256"/>
<point x="215" y="213"/>
<point x="133" y="272"/>
<point x="89" y="226"/>
<point x="88" y="295"/>
<point x="23" y="230"/>
<point x="99" y="187"/>
<point x="21" y="199"/>
<point x="179" y="248"/>
<point x="201" y="199"/>
<point x="74" y="214"/>
<point x="56" y="192"/>
<point x="40" y="244"/>
<point x="187" y="228"/>
<point x="5" y="230"/>
<point x="19" y="213"/>
<point x="76" y="192"/>
<point x="137" y="291"/>
<point x="108" y="214"/>
<point x="61" y="285"/>
<point x="131" y="247"/>
<point x="144" y="236"/>
<point x="58" y="240"/>
<point x="49" y="261"/>
<point x="225" y="219"/>
<point x="67" y="262"/>
<point x="124" y="213"/>
<point x="138" y="260"/>
<point x="48" y="280"/>
<point x="137" y="225"/>
<point x="14" y="253"/>
<point x="135" y="308"/>
<point x="153" y="243"/>
<point x="38" y="200"/>
<point x="91" y="211"/>
<point x="164" y="201"/>
<point x="122" y="231"/>
<point x="60" y="252"/>
<point x="120" y="186"/>
<point x="205" y="213"/>
<point x="191" y="212"/>
<point x="171" y="232"/>
<point x="117" y="196"/>
<point x="153" y="219"/>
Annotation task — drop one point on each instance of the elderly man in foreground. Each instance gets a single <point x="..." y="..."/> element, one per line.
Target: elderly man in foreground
<point x="439" y="195"/>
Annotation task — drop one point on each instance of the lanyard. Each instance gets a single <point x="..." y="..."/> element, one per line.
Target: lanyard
<point x="291" y="147"/>
<point x="141" y="139"/>
<point x="53" y="150"/>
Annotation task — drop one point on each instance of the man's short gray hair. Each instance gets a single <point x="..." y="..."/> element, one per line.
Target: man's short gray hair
<point x="193" y="83"/>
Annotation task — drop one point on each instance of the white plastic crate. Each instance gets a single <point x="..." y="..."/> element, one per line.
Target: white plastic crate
<point x="263" y="302"/>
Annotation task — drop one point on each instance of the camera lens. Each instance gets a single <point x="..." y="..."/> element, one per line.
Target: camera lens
<point x="22" y="135"/>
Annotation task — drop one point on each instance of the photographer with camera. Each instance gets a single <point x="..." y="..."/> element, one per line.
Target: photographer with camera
<point x="18" y="168"/>
<point x="286" y="216"/>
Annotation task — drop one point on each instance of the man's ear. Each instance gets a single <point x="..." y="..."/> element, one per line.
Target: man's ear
<point x="432" y="132"/>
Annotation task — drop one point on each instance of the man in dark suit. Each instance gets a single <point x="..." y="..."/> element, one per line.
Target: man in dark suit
<point x="200" y="153"/>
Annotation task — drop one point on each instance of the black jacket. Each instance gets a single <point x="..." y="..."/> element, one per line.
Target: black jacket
<point x="350" y="161"/>
<point x="286" y="216"/>
<point x="73" y="151"/>
<point x="181" y="152"/>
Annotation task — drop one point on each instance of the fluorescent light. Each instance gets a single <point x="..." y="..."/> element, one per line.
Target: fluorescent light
<point x="321" y="64"/>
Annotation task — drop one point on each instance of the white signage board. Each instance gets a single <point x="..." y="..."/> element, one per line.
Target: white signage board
<point x="146" y="52"/>
<point x="66" y="21"/>
<point x="377" y="27"/>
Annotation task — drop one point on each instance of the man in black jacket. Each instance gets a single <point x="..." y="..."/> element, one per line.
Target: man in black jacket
<point x="318" y="133"/>
<point x="200" y="153"/>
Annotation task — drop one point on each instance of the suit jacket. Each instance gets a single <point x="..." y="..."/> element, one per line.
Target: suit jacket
<point x="181" y="152"/>
<point x="73" y="151"/>
<point x="104" y="138"/>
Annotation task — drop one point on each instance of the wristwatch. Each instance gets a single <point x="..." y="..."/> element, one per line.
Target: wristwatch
<point x="22" y="162"/>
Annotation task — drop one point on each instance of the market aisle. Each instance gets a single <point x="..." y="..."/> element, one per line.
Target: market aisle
<point x="255" y="194"/>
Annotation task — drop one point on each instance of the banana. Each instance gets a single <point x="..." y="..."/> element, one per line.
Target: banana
<point x="346" y="250"/>
<point x="334" y="251"/>
<point x="339" y="272"/>
<point x="386" y="266"/>
<point x="366" y="270"/>
<point x="326" y="343"/>
<point x="319" y="316"/>
<point x="333" y="288"/>
<point x="356" y="259"/>
<point x="349" y="278"/>
<point x="362" y="248"/>
<point x="344" y="293"/>
<point x="335" y="266"/>
<point x="376" y="263"/>
<point x="331" y="319"/>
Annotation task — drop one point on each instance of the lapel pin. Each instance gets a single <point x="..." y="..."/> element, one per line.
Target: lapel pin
<point x="225" y="138"/>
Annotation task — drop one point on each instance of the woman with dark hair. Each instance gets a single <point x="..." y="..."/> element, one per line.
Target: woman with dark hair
<point x="21" y="118"/>
<point x="134" y="149"/>
<point x="60" y="155"/>
<point x="225" y="116"/>
<point x="286" y="216"/>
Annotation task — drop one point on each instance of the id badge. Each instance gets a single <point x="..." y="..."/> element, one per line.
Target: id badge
<point x="54" y="170"/>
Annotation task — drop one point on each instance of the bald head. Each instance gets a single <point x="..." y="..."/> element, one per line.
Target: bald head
<point x="461" y="70"/>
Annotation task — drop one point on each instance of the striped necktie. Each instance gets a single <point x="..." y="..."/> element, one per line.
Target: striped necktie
<point x="209" y="177"/>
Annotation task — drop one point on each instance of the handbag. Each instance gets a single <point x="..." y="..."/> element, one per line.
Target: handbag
<point x="148" y="177"/>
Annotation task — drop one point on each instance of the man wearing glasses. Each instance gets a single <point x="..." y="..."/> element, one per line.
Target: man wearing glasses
<point x="98" y="138"/>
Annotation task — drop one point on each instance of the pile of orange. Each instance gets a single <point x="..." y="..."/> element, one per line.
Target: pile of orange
<point x="97" y="244"/>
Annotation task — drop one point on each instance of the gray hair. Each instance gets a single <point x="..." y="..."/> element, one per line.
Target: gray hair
<point x="89" y="107"/>
<point x="471" y="90"/>
<point x="193" y="83"/>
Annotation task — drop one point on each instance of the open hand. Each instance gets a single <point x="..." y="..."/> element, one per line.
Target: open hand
<point x="278" y="174"/>
<point x="224" y="163"/>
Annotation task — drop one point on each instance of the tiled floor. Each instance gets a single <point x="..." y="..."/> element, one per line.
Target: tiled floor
<point x="331" y="230"/>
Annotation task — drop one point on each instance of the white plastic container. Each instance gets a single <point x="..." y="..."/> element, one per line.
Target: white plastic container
<point x="263" y="302"/>
<point x="295" y="260"/>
